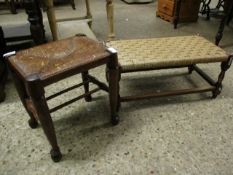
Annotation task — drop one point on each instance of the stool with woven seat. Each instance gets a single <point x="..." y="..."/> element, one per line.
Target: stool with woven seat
<point x="37" y="67"/>
<point x="171" y="52"/>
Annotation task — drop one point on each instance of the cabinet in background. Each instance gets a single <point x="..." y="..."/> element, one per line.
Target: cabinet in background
<point x="189" y="10"/>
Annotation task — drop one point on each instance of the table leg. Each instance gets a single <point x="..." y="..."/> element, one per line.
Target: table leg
<point x="110" y="12"/>
<point x="51" y="18"/>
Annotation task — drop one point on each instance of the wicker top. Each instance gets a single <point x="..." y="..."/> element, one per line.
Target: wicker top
<point x="166" y="52"/>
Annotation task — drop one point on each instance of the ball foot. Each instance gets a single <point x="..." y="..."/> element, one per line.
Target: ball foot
<point x="55" y="155"/>
<point x="115" y="120"/>
<point x="32" y="123"/>
<point x="88" y="98"/>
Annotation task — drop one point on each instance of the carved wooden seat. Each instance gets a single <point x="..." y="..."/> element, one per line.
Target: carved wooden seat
<point x="172" y="52"/>
<point x="37" y="67"/>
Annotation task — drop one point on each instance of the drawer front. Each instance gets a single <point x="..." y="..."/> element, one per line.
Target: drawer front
<point x="166" y="6"/>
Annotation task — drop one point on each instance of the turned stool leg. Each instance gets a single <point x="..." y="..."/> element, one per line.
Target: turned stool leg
<point x="224" y="67"/>
<point x="114" y="88"/>
<point x="86" y="85"/>
<point x="23" y="97"/>
<point x="36" y="92"/>
<point x="190" y="69"/>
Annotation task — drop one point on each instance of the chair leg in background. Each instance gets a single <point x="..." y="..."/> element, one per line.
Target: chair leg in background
<point x="177" y="13"/>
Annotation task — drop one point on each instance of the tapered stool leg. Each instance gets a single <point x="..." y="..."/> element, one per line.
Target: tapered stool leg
<point x="113" y="88"/>
<point x="23" y="97"/>
<point x="36" y="92"/>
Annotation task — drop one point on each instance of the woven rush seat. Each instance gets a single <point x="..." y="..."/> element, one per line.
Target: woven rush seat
<point x="171" y="52"/>
<point x="58" y="57"/>
<point x="158" y="53"/>
<point x="35" y="68"/>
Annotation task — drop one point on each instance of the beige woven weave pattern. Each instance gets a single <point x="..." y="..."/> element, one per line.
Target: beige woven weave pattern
<point x="166" y="52"/>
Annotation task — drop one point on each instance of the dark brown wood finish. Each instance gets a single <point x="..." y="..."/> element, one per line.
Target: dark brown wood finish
<point x="177" y="13"/>
<point x="215" y="87"/>
<point x="3" y="67"/>
<point x="86" y="85"/>
<point x="224" y="67"/>
<point x="30" y="85"/>
<point x="36" y="21"/>
<point x="114" y="87"/>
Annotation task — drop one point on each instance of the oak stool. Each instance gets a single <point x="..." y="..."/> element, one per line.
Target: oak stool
<point x="171" y="52"/>
<point x="35" y="68"/>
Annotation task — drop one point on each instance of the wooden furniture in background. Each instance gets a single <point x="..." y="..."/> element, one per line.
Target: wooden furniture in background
<point x="10" y="43"/>
<point x="52" y="18"/>
<point x="35" y="68"/>
<point x="226" y="18"/>
<point x="188" y="10"/>
<point x="11" y="4"/>
<point x="226" y="14"/>
<point x="36" y="21"/>
<point x="172" y="52"/>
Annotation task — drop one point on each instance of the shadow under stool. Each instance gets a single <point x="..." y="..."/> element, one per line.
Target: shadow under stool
<point x="35" y="68"/>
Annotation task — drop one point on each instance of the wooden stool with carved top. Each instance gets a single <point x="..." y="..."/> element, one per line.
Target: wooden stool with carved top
<point x="35" y="68"/>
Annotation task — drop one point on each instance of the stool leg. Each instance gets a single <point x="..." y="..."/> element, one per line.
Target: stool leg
<point x="114" y="89"/>
<point x="23" y="96"/>
<point x="3" y="78"/>
<point x="190" y="69"/>
<point x="119" y="78"/>
<point x="72" y="4"/>
<point x="224" y="67"/>
<point x="86" y="85"/>
<point x="36" y="92"/>
<point x="3" y="67"/>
